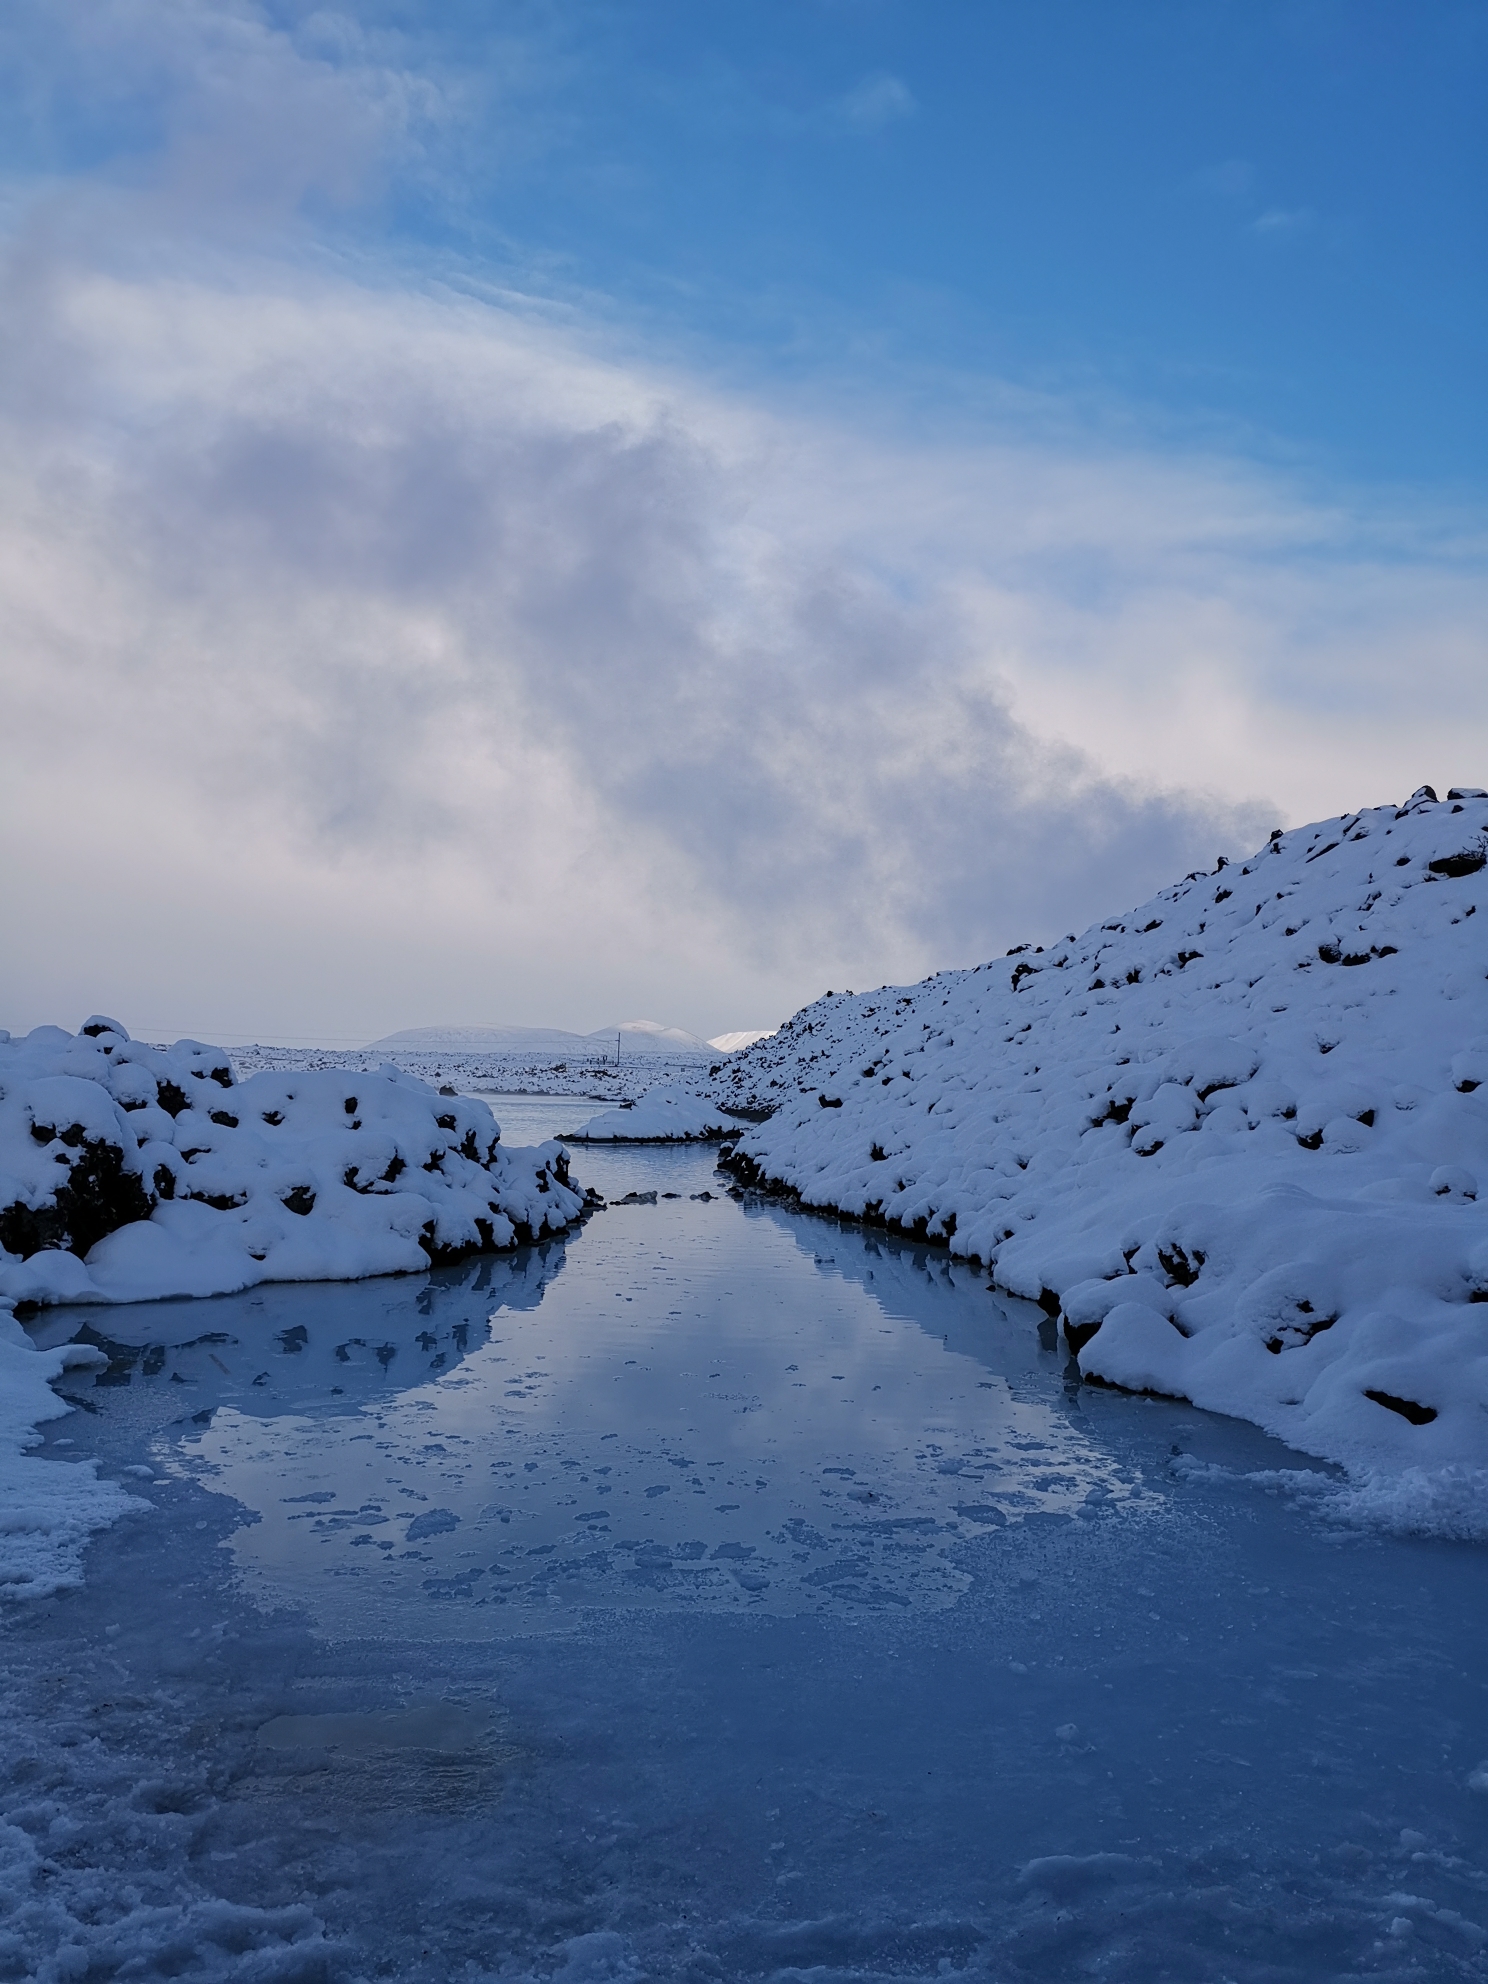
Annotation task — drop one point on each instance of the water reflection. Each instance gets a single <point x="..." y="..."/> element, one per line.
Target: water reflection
<point x="713" y="1406"/>
<point x="292" y="1345"/>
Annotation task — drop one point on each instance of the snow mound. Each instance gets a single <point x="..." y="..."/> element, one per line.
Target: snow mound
<point x="130" y="1172"/>
<point x="732" y="1043"/>
<point x="663" y="1115"/>
<point x="1235" y="1139"/>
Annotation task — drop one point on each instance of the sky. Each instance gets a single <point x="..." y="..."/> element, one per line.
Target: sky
<point x="549" y="513"/>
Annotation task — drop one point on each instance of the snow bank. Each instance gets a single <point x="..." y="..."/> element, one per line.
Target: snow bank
<point x="1234" y="1138"/>
<point x="130" y="1172"/>
<point x="662" y="1115"/>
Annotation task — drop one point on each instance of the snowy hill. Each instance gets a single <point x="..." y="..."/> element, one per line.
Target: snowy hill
<point x="1233" y="1138"/>
<point x="733" y="1043"/>
<point x="539" y="1042"/>
<point x="649" y="1037"/>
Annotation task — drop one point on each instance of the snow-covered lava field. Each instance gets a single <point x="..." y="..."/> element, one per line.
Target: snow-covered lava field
<point x="1233" y="1139"/>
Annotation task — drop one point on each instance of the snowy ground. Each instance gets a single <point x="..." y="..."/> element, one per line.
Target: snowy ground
<point x="1233" y="1138"/>
<point x="592" y="1075"/>
<point x="727" y="1594"/>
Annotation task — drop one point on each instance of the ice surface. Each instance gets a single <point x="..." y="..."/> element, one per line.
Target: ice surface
<point x="1234" y="1138"/>
<point x="1176" y="1714"/>
<point x="440" y="1727"/>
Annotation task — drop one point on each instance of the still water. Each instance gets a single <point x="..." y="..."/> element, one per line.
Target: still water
<point x="721" y="1593"/>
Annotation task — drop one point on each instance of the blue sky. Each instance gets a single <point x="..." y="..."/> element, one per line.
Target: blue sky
<point x="550" y="513"/>
<point x="1265" y="222"/>
<point x="1268" y="219"/>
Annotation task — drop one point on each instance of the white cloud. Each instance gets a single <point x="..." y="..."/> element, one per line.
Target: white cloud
<point x="875" y="102"/>
<point x="475" y="672"/>
<point x="1230" y="179"/>
<point x="1284" y="221"/>
<point x="225" y="113"/>
<point x="376" y="655"/>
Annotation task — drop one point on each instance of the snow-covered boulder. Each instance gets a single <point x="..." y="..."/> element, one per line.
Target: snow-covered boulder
<point x="1237" y="1138"/>
<point x="668" y="1115"/>
<point x="129" y="1172"/>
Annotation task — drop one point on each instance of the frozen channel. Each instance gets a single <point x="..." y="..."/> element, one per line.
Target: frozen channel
<point x="721" y="1594"/>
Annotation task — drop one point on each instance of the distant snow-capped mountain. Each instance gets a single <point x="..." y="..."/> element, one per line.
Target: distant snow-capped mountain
<point x="649" y="1037"/>
<point x="482" y="1040"/>
<point x="635" y="1037"/>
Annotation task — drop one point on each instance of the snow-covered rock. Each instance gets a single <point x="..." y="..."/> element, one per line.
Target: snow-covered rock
<point x="663" y="1115"/>
<point x="129" y="1172"/>
<point x="1237" y="1138"/>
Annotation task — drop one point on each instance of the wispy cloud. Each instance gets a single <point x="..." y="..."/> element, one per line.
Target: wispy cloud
<point x="1230" y="179"/>
<point x="1237" y="182"/>
<point x="222" y="108"/>
<point x="874" y="102"/>
<point x="1284" y="221"/>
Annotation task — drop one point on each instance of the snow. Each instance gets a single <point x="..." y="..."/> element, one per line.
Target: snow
<point x="1233" y="1138"/>
<point x="537" y="1042"/>
<point x="649" y="1037"/>
<point x="525" y="1040"/>
<point x="663" y="1115"/>
<point x="586" y="1073"/>
<point x="732" y="1043"/>
<point x="130" y="1173"/>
